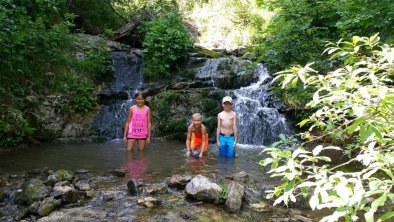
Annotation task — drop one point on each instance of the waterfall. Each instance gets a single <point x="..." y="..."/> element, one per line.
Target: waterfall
<point x="259" y="123"/>
<point x="118" y="95"/>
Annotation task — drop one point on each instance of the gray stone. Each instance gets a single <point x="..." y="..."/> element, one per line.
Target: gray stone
<point x="59" y="191"/>
<point x="242" y="177"/>
<point x="47" y="206"/>
<point x="82" y="186"/>
<point x="234" y="197"/>
<point x="201" y="188"/>
<point x="156" y="188"/>
<point x="119" y="172"/>
<point x="179" y="181"/>
<point x="149" y="202"/>
<point x="32" y="191"/>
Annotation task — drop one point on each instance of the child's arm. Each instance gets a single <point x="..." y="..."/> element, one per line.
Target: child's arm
<point x="235" y="130"/>
<point x="149" y="126"/>
<point x="218" y="130"/>
<point x="203" y="135"/>
<point x="188" y="137"/>
<point x="126" y="125"/>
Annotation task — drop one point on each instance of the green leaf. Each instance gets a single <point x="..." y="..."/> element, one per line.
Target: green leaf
<point x="378" y="202"/>
<point x="386" y="216"/>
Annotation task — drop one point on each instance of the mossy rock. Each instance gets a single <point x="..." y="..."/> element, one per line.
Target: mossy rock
<point x="65" y="174"/>
<point x="207" y="53"/>
<point x="176" y="126"/>
<point x="210" y="105"/>
<point x="211" y="124"/>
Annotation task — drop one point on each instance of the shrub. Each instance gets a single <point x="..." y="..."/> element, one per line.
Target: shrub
<point x="353" y="105"/>
<point x="166" y="43"/>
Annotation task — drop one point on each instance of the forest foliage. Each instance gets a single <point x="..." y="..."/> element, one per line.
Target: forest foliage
<point x="353" y="113"/>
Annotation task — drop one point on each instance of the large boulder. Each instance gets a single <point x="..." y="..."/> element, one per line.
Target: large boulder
<point x="32" y="191"/>
<point x="201" y="188"/>
<point x="234" y="197"/>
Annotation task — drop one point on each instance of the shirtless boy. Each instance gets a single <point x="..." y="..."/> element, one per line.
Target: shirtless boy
<point x="226" y="133"/>
<point x="197" y="136"/>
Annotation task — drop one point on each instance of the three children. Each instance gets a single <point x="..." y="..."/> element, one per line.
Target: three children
<point x="138" y="129"/>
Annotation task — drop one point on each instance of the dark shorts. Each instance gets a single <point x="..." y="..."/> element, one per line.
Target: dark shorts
<point x="136" y="138"/>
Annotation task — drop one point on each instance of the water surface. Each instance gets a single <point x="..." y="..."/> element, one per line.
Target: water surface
<point x="158" y="161"/>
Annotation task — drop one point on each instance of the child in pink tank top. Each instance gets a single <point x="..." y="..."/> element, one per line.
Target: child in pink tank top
<point x="138" y="124"/>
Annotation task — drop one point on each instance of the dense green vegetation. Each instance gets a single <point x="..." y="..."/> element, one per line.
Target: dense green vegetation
<point x="353" y="113"/>
<point x="297" y="32"/>
<point x="37" y="60"/>
<point x="166" y="44"/>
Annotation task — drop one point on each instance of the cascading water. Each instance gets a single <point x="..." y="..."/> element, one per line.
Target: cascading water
<point x="259" y="123"/>
<point x="118" y="95"/>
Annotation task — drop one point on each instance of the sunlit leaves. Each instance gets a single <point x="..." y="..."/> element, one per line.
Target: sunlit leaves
<point x="354" y="104"/>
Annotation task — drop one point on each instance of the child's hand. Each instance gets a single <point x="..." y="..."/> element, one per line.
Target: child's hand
<point x="235" y="143"/>
<point x="200" y="155"/>
<point x="124" y="139"/>
<point x="218" y="143"/>
<point x="148" y="140"/>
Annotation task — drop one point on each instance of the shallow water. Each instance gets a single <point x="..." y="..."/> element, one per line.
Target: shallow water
<point x="158" y="161"/>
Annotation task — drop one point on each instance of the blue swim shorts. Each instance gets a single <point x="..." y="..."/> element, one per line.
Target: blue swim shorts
<point x="226" y="145"/>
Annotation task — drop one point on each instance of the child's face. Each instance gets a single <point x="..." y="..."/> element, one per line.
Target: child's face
<point x="140" y="100"/>
<point x="227" y="106"/>
<point x="196" y="121"/>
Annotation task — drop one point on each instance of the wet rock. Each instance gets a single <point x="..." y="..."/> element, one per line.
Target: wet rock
<point x="59" y="191"/>
<point x="119" y="172"/>
<point x="48" y="205"/>
<point x="242" y="177"/>
<point x="73" y="196"/>
<point x="82" y="186"/>
<point x="178" y="181"/>
<point x="32" y="191"/>
<point x="252" y="196"/>
<point x="234" y="197"/>
<point x="62" y="183"/>
<point x="91" y="193"/>
<point x="187" y="215"/>
<point x="132" y="187"/>
<point x="201" y="188"/>
<point x="82" y="171"/>
<point x="74" y="130"/>
<point x="60" y="175"/>
<point x="180" y="85"/>
<point x="156" y="188"/>
<point x="33" y="208"/>
<point x="262" y="206"/>
<point x="75" y="214"/>
<point x="52" y="179"/>
<point x="149" y="202"/>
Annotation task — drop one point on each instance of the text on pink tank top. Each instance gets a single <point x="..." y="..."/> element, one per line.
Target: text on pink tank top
<point x="138" y="127"/>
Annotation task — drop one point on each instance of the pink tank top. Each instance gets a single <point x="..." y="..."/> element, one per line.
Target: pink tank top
<point x="138" y="127"/>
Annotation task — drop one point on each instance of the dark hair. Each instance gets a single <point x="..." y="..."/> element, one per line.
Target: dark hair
<point x="140" y="94"/>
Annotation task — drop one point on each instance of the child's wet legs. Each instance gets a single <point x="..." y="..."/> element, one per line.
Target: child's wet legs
<point x="130" y="144"/>
<point x="141" y="144"/>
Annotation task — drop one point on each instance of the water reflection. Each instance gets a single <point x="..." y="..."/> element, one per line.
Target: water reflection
<point x="136" y="165"/>
<point x="196" y="165"/>
<point x="158" y="160"/>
